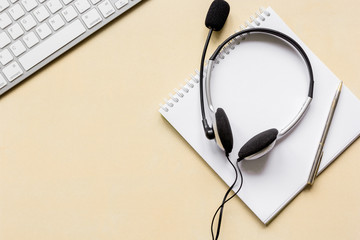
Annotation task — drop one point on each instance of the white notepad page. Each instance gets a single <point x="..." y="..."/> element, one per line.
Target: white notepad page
<point x="262" y="83"/>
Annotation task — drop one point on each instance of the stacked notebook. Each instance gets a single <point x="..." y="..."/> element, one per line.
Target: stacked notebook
<point x="261" y="83"/>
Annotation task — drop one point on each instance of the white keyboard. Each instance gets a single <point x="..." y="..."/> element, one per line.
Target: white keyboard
<point x="35" y="32"/>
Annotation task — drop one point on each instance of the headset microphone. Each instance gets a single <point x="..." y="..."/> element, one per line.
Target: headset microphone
<point x="217" y="15"/>
<point x="215" y="20"/>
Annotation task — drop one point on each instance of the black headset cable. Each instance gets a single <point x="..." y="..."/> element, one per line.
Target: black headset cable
<point x="225" y="200"/>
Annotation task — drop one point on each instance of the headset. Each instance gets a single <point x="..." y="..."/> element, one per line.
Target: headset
<point x="262" y="143"/>
<point x="220" y="131"/>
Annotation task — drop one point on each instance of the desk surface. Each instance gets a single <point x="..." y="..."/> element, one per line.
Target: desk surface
<point x="84" y="153"/>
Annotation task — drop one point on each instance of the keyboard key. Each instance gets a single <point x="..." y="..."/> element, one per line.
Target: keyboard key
<point x="66" y="2"/>
<point x="12" y="71"/>
<point x="69" y="13"/>
<point x="5" y="57"/>
<point x="17" y="48"/>
<point x="106" y="8"/>
<point x="16" y="11"/>
<point x="4" y="39"/>
<point x="4" y="4"/>
<point x="15" y="31"/>
<point x="30" y="39"/>
<point x="4" y="20"/>
<point x="43" y="30"/>
<point x="2" y="82"/>
<point x="95" y="1"/>
<point x="52" y="44"/>
<point x="29" y="4"/>
<point x="121" y="3"/>
<point x="56" y="22"/>
<point x="91" y="18"/>
<point x="41" y="13"/>
<point x="54" y="5"/>
<point x="28" y="22"/>
<point x="82" y="5"/>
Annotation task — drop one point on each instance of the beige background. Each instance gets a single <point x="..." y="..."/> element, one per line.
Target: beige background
<point x="84" y="153"/>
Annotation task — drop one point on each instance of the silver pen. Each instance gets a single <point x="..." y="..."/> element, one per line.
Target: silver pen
<point x="319" y="153"/>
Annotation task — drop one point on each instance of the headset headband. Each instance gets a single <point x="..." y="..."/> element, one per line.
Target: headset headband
<point x="275" y="33"/>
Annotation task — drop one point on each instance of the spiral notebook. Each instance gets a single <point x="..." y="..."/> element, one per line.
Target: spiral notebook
<point x="262" y="83"/>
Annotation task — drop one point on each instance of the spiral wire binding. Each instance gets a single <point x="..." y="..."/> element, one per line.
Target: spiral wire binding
<point x="178" y="94"/>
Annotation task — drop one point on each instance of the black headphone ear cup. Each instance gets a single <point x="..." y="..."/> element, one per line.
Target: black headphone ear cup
<point x="259" y="145"/>
<point x="223" y="133"/>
